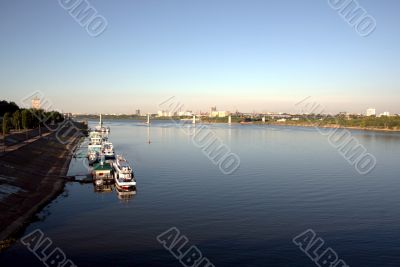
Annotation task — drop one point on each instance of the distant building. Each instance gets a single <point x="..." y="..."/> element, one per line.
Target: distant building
<point x="67" y="115"/>
<point x="163" y="113"/>
<point x="137" y="113"/>
<point x="36" y="103"/>
<point x="185" y="113"/>
<point x="386" y="113"/>
<point x="371" y="112"/>
<point x="219" y="114"/>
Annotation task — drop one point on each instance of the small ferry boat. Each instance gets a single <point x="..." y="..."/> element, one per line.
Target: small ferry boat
<point x="123" y="174"/>
<point x="93" y="156"/>
<point x="102" y="173"/>
<point x="108" y="150"/>
<point x="93" y="152"/>
<point x="95" y="137"/>
<point x="102" y="129"/>
<point x="94" y="147"/>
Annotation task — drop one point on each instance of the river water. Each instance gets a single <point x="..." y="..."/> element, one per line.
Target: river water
<point x="290" y="179"/>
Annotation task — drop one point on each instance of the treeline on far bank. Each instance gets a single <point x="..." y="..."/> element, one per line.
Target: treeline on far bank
<point x="382" y="122"/>
<point x="14" y="117"/>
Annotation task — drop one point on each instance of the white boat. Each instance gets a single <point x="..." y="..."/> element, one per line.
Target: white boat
<point x="102" y="129"/>
<point x="95" y="138"/>
<point x="95" y="146"/>
<point x="108" y="150"/>
<point x="123" y="174"/>
<point x="93" y="156"/>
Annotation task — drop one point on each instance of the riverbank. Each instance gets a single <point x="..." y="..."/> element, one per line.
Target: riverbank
<point x="32" y="176"/>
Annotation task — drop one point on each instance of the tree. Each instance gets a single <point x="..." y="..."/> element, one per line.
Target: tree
<point x="25" y="119"/>
<point x="58" y="117"/>
<point x="38" y="119"/>
<point x="17" y="120"/>
<point x="6" y="123"/>
<point x="5" y="106"/>
<point x="35" y="118"/>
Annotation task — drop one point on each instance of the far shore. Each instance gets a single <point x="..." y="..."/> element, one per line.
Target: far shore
<point x="334" y="126"/>
<point x="308" y="125"/>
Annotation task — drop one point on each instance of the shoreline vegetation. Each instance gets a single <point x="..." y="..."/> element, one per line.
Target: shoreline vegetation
<point x="355" y="122"/>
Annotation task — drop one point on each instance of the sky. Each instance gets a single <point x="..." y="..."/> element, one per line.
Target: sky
<point x="246" y="55"/>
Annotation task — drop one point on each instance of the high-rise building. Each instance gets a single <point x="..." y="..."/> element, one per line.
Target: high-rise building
<point x="371" y="112"/>
<point x="36" y="103"/>
<point x="137" y="112"/>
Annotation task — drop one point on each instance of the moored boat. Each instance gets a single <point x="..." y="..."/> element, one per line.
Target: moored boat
<point x="93" y="157"/>
<point x="102" y="172"/>
<point x="123" y="174"/>
<point x="94" y="147"/>
<point x="108" y="150"/>
<point x="102" y="129"/>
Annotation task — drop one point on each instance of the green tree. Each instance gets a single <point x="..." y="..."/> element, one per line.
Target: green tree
<point x="363" y="123"/>
<point x="35" y="117"/>
<point x="5" y="106"/>
<point x="26" y="119"/>
<point x="58" y="117"/>
<point x="6" y="123"/>
<point x="17" y="120"/>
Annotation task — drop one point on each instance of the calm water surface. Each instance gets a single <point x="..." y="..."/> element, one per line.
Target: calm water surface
<point x="289" y="180"/>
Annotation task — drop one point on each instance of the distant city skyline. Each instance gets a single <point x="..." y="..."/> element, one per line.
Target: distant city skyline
<point x="292" y="108"/>
<point x="237" y="55"/>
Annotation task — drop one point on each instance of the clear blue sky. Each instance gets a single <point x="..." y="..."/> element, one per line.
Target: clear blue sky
<point x="251" y="55"/>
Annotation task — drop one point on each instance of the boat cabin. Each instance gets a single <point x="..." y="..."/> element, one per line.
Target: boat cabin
<point x="102" y="171"/>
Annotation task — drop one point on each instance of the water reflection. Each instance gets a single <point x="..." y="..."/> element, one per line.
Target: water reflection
<point x="125" y="195"/>
<point x="122" y="194"/>
<point x="104" y="188"/>
<point x="148" y="135"/>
